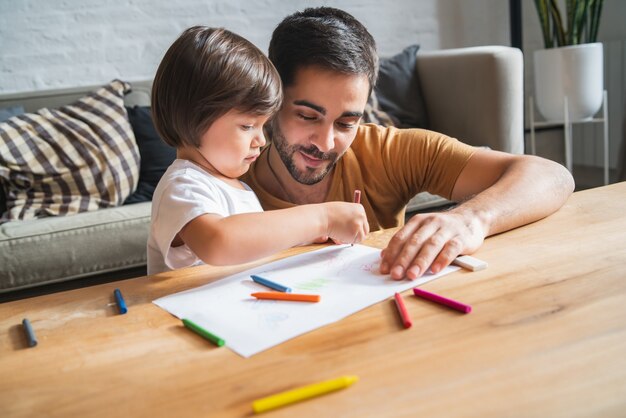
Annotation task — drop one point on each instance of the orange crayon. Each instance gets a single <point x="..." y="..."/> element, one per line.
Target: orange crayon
<point x="286" y="296"/>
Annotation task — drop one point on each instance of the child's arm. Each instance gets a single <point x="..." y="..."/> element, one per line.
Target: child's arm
<point x="246" y="237"/>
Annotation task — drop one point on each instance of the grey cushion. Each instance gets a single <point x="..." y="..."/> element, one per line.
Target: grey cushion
<point x="425" y="200"/>
<point x="49" y="250"/>
<point x="399" y="91"/>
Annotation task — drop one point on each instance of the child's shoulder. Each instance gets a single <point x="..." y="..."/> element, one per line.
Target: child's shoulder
<point x="183" y="169"/>
<point x="183" y="179"/>
<point x="184" y="173"/>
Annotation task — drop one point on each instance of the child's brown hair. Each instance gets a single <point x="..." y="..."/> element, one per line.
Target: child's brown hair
<point x="203" y="75"/>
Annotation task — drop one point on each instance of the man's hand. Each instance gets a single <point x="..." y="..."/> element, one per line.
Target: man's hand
<point x="431" y="240"/>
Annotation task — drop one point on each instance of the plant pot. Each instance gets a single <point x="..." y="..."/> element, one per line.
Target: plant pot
<point x="575" y="72"/>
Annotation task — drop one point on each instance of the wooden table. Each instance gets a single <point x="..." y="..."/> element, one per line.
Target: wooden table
<point x="546" y="338"/>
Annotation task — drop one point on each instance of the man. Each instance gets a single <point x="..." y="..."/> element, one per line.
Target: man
<point x="319" y="152"/>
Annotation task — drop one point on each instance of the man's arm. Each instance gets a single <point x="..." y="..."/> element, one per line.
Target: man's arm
<point x="498" y="192"/>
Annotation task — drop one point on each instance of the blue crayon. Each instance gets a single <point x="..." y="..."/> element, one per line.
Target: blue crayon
<point x="120" y="301"/>
<point x="30" y="333"/>
<point x="271" y="284"/>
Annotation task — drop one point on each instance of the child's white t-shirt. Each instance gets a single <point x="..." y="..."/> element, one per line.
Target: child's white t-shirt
<point x="185" y="192"/>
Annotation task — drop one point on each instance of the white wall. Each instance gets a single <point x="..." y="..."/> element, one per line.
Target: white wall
<point x="47" y="44"/>
<point x="466" y="23"/>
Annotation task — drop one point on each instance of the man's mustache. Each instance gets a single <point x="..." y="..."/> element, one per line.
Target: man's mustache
<point x="316" y="153"/>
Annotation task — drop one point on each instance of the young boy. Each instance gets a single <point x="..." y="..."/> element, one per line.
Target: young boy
<point x="212" y="94"/>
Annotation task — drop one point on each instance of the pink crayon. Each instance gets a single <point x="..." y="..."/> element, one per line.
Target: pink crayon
<point x="461" y="307"/>
<point x="357" y="199"/>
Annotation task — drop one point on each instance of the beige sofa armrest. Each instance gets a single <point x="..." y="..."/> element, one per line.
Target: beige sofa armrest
<point x="475" y="95"/>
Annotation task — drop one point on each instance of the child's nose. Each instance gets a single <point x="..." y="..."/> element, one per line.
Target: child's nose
<point x="260" y="139"/>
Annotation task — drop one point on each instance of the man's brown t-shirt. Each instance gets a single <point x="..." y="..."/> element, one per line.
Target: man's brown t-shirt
<point x="389" y="166"/>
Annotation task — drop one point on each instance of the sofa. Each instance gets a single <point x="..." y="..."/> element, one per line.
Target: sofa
<point x="474" y="94"/>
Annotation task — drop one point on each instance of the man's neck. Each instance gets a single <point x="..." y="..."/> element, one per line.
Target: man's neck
<point x="276" y="179"/>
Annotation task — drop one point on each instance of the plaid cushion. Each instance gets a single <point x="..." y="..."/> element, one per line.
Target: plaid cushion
<point x="374" y="114"/>
<point x="73" y="159"/>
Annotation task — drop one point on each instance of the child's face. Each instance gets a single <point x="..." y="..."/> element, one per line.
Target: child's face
<point x="233" y="142"/>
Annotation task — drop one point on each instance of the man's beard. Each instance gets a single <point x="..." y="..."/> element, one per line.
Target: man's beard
<point x="286" y="153"/>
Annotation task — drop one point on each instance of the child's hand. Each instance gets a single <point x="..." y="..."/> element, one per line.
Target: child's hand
<point x="346" y="222"/>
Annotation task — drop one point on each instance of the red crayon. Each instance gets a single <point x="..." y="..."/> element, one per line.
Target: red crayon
<point x="357" y="199"/>
<point x="404" y="314"/>
<point x="461" y="307"/>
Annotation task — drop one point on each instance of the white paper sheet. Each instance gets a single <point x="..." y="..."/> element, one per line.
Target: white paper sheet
<point x="346" y="277"/>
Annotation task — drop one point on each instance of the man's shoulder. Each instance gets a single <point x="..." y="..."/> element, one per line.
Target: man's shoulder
<point x="371" y="130"/>
<point x="369" y="136"/>
<point x="372" y="137"/>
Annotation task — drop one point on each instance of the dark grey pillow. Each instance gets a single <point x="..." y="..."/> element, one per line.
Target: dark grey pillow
<point x="398" y="89"/>
<point x="374" y="114"/>
<point x="156" y="155"/>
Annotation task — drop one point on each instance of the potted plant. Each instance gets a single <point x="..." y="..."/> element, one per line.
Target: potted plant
<point x="570" y="68"/>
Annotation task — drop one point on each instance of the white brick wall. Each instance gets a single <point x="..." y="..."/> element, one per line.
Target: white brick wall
<point x="47" y="44"/>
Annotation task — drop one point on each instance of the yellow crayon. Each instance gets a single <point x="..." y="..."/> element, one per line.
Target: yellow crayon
<point x="302" y="393"/>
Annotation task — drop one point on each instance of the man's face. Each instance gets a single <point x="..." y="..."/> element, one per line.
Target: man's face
<point x="318" y="121"/>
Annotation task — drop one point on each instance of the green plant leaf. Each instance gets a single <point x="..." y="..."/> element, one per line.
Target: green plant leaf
<point x="559" y="31"/>
<point x="544" y="20"/>
<point x="596" y="11"/>
<point x="570" y="11"/>
<point x="583" y="21"/>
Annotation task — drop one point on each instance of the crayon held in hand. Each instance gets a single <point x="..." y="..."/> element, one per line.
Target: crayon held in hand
<point x="357" y="199"/>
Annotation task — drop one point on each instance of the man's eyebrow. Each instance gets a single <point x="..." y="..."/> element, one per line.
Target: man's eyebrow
<point x="322" y="110"/>
<point x="313" y="106"/>
<point x="351" y="114"/>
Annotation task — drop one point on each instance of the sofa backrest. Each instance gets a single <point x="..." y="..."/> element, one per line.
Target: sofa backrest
<point x="33" y="101"/>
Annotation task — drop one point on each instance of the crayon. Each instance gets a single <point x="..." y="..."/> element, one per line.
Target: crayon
<point x="121" y="303"/>
<point x="30" y="333"/>
<point x="203" y="332"/>
<point x="404" y="314"/>
<point x="461" y="307"/>
<point x="302" y="393"/>
<point x="357" y="199"/>
<point x="286" y="296"/>
<point x="270" y="284"/>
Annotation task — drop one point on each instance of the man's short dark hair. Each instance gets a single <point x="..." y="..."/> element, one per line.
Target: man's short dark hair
<point x="326" y="37"/>
<point x="203" y="75"/>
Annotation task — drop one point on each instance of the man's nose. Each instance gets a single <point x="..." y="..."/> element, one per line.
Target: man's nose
<point x="325" y="138"/>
